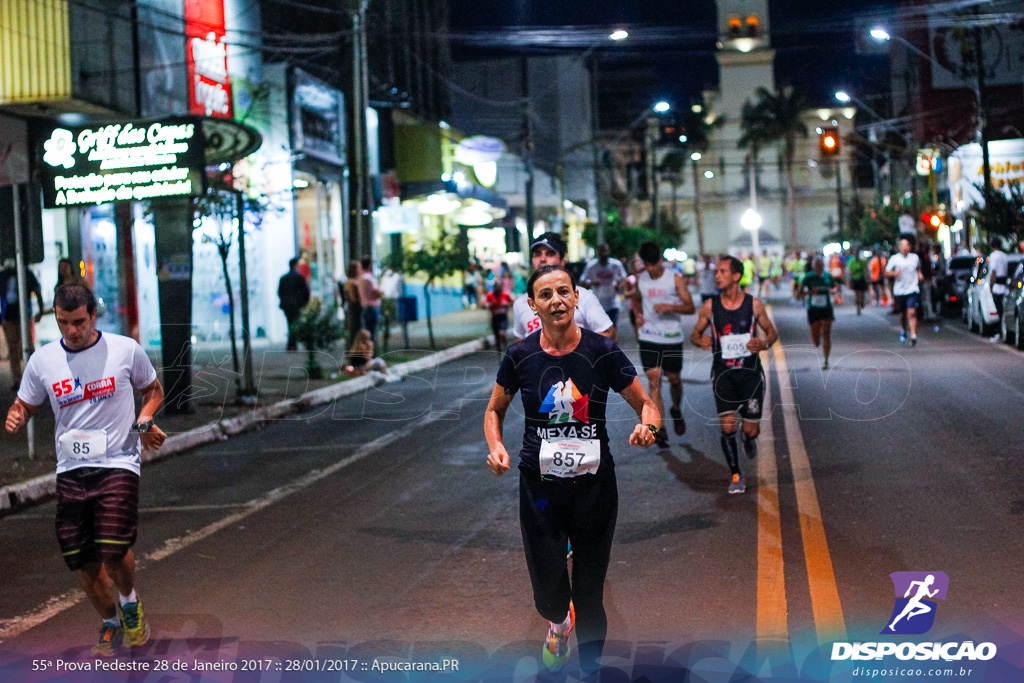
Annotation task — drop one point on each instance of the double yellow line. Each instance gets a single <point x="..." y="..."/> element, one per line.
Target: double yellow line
<point x="772" y="612"/>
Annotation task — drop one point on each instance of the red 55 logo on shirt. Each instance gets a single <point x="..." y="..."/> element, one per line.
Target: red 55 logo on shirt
<point x="61" y="388"/>
<point x="533" y="325"/>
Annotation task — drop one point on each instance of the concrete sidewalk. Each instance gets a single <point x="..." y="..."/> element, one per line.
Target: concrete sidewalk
<point x="281" y="380"/>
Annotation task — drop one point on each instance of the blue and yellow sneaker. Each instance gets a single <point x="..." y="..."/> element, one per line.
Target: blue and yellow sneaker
<point x="136" y="628"/>
<point x="556" y="647"/>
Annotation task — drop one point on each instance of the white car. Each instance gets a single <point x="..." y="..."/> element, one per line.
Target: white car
<point x="980" y="312"/>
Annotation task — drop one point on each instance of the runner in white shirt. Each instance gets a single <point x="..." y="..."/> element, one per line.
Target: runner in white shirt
<point x="662" y="298"/>
<point x="89" y="378"/>
<point x="605" y="275"/>
<point x="905" y="270"/>
<point x="549" y="250"/>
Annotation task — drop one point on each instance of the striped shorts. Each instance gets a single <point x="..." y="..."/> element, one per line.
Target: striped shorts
<point x="97" y="514"/>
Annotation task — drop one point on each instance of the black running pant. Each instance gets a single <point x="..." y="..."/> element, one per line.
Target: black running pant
<point x="552" y="511"/>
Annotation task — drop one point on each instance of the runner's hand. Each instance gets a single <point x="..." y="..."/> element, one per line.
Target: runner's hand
<point x="16" y="417"/>
<point x="153" y="439"/>
<point x="756" y="345"/>
<point x="639" y="320"/>
<point x="705" y="343"/>
<point x="662" y="308"/>
<point x="497" y="461"/>
<point x="641" y="437"/>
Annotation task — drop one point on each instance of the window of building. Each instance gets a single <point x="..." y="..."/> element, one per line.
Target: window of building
<point x="735" y="26"/>
<point x="753" y="27"/>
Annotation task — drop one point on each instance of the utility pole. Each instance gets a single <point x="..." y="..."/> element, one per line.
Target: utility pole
<point x="979" y="62"/>
<point x="653" y="128"/>
<point x="527" y="144"/>
<point x="247" y="392"/>
<point x="595" y="121"/>
<point x="839" y="198"/>
<point x="25" y="307"/>
<point x="359" y="238"/>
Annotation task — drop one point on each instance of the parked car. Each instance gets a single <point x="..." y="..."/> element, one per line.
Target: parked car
<point x="1012" y="329"/>
<point x="951" y="284"/>
<point x="981" y="314"/>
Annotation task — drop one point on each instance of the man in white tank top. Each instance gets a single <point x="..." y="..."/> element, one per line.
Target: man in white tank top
<point x="662" y="300"/>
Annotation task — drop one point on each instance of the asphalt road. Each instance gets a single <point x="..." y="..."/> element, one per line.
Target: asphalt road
<point x="372" y="530"/>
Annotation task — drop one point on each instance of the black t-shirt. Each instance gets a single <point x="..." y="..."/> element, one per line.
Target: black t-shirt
<point x="565" y="396"/>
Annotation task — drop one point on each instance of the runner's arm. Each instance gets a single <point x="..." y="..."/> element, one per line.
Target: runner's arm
<point x="703" y="322"/>
<point x="152" y="400"/>
<point x="683" y="292"/>
<point x="19" y="414"/>
<point x="646" y="412"/>
<point x="494" y="418"/>
<point x="771" y="335"/>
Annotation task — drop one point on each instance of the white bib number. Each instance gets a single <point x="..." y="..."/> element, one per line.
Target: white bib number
<point x="735" y="346"/>
<point x="819" y="301"/>
<point x="84" y="444"/>
<point x="570" y="458"/>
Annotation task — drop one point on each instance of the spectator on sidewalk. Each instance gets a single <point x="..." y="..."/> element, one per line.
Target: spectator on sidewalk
<point x="706" y="279"/>
<point x="471" y="286"/>
<point x="11" y="312"/>
<point x="370" y="297"/>
<point x="360" y="356"/>
<point x="350" y="299"/>
<point x="67" y="273"/>
<point x="293" y="292"/>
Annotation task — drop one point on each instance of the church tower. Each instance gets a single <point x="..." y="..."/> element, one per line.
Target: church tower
<point x="745" y="56"/>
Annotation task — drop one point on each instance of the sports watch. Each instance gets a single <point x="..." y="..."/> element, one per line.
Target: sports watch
<point x="143" y="427"/>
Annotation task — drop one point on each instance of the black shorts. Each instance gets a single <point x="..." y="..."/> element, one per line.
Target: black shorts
<point x="860" y="285"/>
<point x="905" y="301"/>
<point x="817" y="314"/>
<point x="668" y="357"/>
<point x="499" y="323"/>
<point x="97" y="514"/>
<point x="739" y="390"/>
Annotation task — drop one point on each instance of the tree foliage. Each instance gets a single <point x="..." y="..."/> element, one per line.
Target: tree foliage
<point x="1002" y="212"/>
<point x="437" y="259"/>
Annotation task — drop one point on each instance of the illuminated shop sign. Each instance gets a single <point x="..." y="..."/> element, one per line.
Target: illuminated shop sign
<point x="209" y="89"/>
<point x="122" y="162"/>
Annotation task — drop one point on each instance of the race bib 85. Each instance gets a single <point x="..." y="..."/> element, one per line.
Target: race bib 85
<point x="84" y="444"/>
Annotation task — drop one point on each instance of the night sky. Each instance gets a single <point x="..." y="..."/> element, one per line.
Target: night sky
<point x="814" y="42"/>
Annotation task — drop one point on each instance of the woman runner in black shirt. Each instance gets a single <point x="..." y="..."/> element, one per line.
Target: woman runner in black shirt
<point x="567" y="482"/>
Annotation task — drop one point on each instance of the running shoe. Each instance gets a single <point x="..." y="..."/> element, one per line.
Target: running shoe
<point x="903" y="337"/>
<point x="136" y="628"/>
<point x="556" y="648"/>
<point x="109" y="642"/>
<point x="750" y="447"/>
<point x="678" y="423"/>
<point x="913" y="341"/>
<point x="737" y="485"/>
<point x="568" y="551"/>
<point x="825" y="366"/>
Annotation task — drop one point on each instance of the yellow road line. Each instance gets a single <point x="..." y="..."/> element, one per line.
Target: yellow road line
<point x="828" y="611"/>
<point x="772" y="627"/>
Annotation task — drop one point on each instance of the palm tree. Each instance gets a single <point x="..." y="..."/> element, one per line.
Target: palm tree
<point x="778" y="117"/>
<point x="671" y="169"/>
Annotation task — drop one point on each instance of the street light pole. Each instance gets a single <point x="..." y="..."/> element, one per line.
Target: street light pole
<point x="527" y="145"/>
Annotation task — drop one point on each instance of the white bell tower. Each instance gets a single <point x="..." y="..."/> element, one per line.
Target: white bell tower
<point x="745" y="56"/>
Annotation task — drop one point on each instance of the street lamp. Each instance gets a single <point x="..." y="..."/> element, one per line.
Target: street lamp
<point x="662" y="107"/>
<point x="619" y="35"/>
<point x="616" y="36"/>
<point x="843" y="96"/>
<point x="881" y="35"/>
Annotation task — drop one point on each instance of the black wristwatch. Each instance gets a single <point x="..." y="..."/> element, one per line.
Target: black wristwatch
<point x="654" y="430"/>
<point x="143" y="427"/>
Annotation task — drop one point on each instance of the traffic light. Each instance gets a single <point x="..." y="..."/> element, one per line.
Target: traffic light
<point x="828" y="142"/>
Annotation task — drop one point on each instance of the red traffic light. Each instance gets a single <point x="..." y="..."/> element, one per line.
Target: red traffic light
<point x="828" y="142"/>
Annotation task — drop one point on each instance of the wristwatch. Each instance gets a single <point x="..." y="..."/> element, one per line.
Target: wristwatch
<point x="143" y="427"/>
<point x="654" y="430"/>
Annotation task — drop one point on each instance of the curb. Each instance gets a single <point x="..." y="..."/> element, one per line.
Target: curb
<point x="23" y="493"/>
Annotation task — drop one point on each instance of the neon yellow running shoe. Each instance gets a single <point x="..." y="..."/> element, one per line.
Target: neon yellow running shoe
<point x="556" y="647"/>
<point x="136" y="628"/>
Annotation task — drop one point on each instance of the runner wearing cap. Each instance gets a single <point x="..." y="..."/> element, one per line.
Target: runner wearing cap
<point x="549" y="250"/>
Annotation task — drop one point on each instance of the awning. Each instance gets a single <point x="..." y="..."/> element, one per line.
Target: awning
<point x="764" y="239"/>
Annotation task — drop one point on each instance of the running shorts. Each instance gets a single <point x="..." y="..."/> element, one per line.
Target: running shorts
<point x="668" y="357"/>
<point x="739" y="390"/>
<point x="905" y="301"/>
<point x="97" y="514"/>
<point x="817" y="314"/>
<point x="859" y="285"/>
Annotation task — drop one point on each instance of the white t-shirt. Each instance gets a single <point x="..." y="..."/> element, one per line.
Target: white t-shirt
<point x="906" y="282"/>
<point x="92" y="390"/>
<point x="663" y="328"/>
<point x="998" y="263"/>
<point x="589" y="315"/>
<point x="607" y="276"/>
